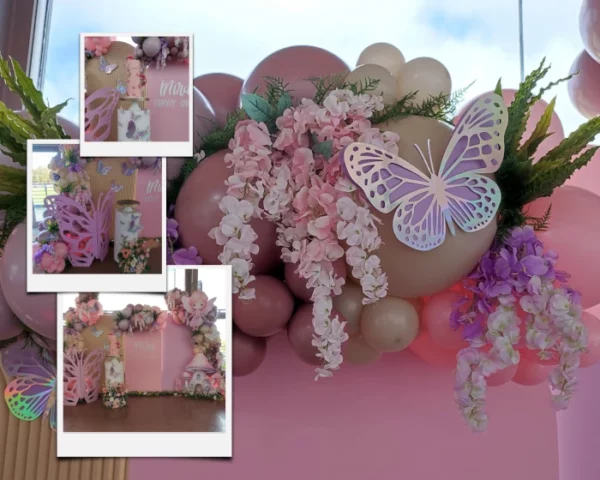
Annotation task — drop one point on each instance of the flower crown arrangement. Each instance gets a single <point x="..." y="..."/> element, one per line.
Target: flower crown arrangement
<point x="138" y="318"/>
<point x="326" y="171"/>
<point x="114" y="397"/>
<point x="68" y="175"/>
<point x="49" y="252"/>
<point x="134" y="256"/>
<point x="160" y="50"/>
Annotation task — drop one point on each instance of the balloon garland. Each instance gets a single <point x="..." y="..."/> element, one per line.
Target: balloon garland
<point x="160" y="50"/>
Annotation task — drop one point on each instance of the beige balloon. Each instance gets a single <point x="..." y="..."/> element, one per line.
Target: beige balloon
<point x="349" y="304"/>
<point x="389" y="325"/>
<point x="412" y="273"/>
<point x="384" y="54"/>
<point x="356" y="351"/>
<point x="423" y="75"/>
<point x="387" y="83"/>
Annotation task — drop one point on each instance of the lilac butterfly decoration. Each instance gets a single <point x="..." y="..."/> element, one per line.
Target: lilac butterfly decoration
<point x="457" y="194"/>
<point x="121" y="87"/>
<point x="32" y="392"/>
<point x="130" y="129"/>
<point x="105" y="67"/>
<point x="115" y="188"/>
<point x="128" y="170"/>
<point x="102" y="169"/>
<point x="82" y="372"/>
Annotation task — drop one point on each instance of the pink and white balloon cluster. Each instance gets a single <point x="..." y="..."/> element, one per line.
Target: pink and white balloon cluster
<point x="88" y="308"/>
<point x="139" y="318"/>
<point x="583" y="88"/>
<point x="162" y="50"/>
<point x="49" y="252"/>
<point x="97" y="46"/>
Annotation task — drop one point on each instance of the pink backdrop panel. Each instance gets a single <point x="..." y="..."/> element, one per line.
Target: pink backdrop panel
<point x="169" y="92"/>
<point x="149" y="194"/>
<point x="143" y="361"/>
<point x="177" y="353"/>
<point x="393" y="420"/>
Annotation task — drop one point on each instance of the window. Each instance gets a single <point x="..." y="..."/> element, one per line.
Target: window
<point x="475" y="40"/>
<point x="41" y="186"/>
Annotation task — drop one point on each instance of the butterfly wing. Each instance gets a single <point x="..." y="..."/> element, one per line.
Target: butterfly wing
<point x="386" y="180"/>
<point x="92" y="368"/>
<point x="477" y="147"/>
<point x="99" y="108"/>
<point x="103" y="169"/>
<point x="27" y="396"/>
<point x="114" y="187"/>
<point x="103" y="218"/>
<point x="130" y="129"/>
<point x="76" y="226"/>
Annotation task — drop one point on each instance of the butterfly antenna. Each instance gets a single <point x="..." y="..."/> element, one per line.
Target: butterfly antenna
<point x="424" y="159"/>
<point x="429" y="152"/>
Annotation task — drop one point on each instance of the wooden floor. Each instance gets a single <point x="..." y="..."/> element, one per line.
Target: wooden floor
<point x="157" y="414"/>
<point x="108" y="265"/>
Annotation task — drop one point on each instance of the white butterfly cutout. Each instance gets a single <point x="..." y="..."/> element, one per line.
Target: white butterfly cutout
<point x="114" y="187"/>
<point x="459" y="193"/>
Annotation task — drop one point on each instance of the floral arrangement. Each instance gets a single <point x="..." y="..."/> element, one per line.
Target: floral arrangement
<point x="133" y="256"/>
<point x="167" y="393"/>
<point x="138" y="318"/>
<point x="114" y="397"/>
<point x="161" y="50"/>
<point x="515" y="280"/>
<point x="73" y="339"/>
<point x="68" y="175"/>
<point x="88" y="308"/>
<point x="50" y="257"/>
<point x="177" y="255"/>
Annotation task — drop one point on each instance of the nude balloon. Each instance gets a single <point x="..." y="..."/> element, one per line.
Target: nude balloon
<point x="589" y="27"/>
<point x="424" y="76"/>
<point x="357" y="352"/>
<point x="383" y="54"/>
<point x="297" y="284"/>
<point x="572" y="218"/>
<point x="387" y="83"/>
<point x="436" y="316"/>
<point x="35" y="310"/>
<point x="457" y="255"/>
<point x="222" y="92"/>
<point x="389" y="325"/>
<point x="204" y="118"/>
<point x="583" y="87"/>
<point x="250" y="353"/>
<point x="197" y="212"/>
<point x="349" y="304"/>
<point x="294" y="65"/>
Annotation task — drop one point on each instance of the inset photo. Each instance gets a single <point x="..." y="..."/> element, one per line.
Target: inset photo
<point x="92" y="223"/>
<point x="136" y="95"/>
<point x="134" y="364"/>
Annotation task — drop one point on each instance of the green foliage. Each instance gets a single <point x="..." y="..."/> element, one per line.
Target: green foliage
<point x="519" y="178"/>
<point x="14" y="133"/>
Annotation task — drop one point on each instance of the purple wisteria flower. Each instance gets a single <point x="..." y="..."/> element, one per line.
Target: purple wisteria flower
<point x="186" y="256"/>
<point x="172" y="227"/>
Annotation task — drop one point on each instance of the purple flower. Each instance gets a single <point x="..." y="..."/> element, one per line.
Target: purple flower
<point x="55" y="177"/>
<point x="170" y="210"/>
<point x="473" y="330"/>
<point x="186" y="256"/>
<point x="172" y="226"/>
<point x="533" y="265"/>
<point x="75" y="167"/>
<point x="37" y="257"/>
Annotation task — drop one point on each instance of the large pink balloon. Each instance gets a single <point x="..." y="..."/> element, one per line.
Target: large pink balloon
<point x="536" y="112"/>
<point x="249" y="354"/>
<point x="9" y="324"/>
<point x="174" y="166"/>
<point x="531" y="374"/>
<point x="300" y="334"/>
<point x="266" y="314"/>
<point x="589" y="27"/>
<point x="592" y="324"/>
<point x="69" y="127"/>
<point x="204" y="119"/>
<point x="587" y="177"/>
<point x="583" y="88"/>
<point x="431" y="353"/>
<point x="222" y="92"/>
<point x="294" y="65"/>
<point x="573" y="233"/>
<point x="197" y="211"/>
<point x="297" y="284"/>
<point x="436" y="316"/>
<point x="36" y="310"/>
<point x="502" y="376"/>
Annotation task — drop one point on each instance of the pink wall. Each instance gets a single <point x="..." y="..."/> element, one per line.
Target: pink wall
<point x="143" y="361"/>
<point x="395" y="420"/>
<point x="177" y="353"/>
<point x="149" y="194"/>
<point x="168" y="90"/>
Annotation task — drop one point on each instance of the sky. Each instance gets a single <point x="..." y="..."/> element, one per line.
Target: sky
<point x="476" y="40"/>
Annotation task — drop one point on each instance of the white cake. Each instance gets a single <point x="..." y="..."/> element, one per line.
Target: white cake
<point x="134" y="124"/>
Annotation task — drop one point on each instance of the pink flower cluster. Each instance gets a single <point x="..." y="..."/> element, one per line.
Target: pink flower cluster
<point x="50" y="257"/>
<point x="318" y="212"/>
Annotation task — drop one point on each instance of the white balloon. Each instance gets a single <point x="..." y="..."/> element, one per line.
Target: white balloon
<point x="383" y="54"/>
<point x="423" y="75"/>
<point x="387" y="83"/>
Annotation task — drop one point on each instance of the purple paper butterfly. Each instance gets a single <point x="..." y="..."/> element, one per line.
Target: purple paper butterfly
<point x="121" y="87"/>
<point x="103" y="169"/>
<point x="130" y="129"/>
<point x="128" y="170"/>
<point x="458" y="193"/>
<point x="105" y="67"/>
<point x="115" y="188"/>
<point x="82" y="373"/>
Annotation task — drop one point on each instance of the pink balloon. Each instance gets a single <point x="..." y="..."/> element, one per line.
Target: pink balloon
<point x="204" y="119"/>
<point x="556" y="128"/>
<point x="436" y="317"/>
<point x="295" y="65"/>
<point x="44" y="342"/>
<point x="587" y="177"/>
<point x="583" y="88"/>
<point x="250" y="352"/>
<point x="589" y="27"/>
<point x="572" y="220"/>
<point x="502" y="376"/>
<point x="300" y="334"/>
<point x="592" y="324"/>
<point x="36" y="310"/>
<point x="531" y="374"/>
<point x="174" y="166"/>
<point x="197" y="211"/>
<point x="9" y="324"/>
<point x="266" y="314"/>
<point x="297" y="284"/>
<point x="431" y="353"/>
<point x="222" y="92"/>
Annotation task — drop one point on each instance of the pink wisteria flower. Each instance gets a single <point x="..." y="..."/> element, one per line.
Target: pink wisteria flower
<point x="317" y="211"/>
